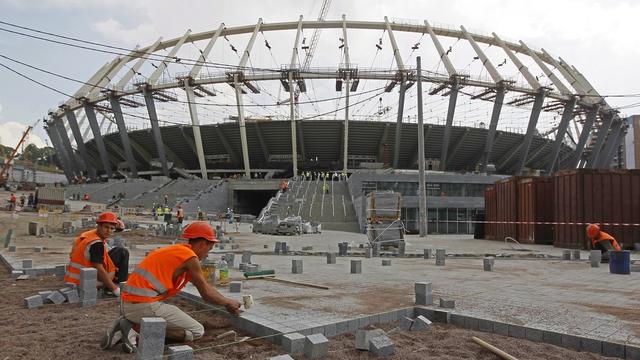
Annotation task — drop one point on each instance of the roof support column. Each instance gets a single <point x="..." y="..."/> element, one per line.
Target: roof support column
<point x="294" y="140"/>
<point x="243" y="130"/>
<point x="491" y="134"/>
<point x="422" y="206"/>
<point x="602" y="135"/>
<point x="155" y="129"/>
<point x="562" y="129"/>
<point x="584" y="136"/>
<point x="345" y="150"/>
<point x="396" y="149"/>
<point x="84" y="155"/>
<point x="615" y="145"/>
<point x="124" y="136"/>
<point x="453" y="98"/>
<point x="97" y="136"/>
<point x="533" y="122"/>
<point x="66" y="145"/>
<point x="609" y="146"/>
<point x="60" y="153"/>
<point x="195" y="126"/>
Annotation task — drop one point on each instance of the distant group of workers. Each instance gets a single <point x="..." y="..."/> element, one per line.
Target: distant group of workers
<point x="323" y="175"/>
<point x="14" y="201"/>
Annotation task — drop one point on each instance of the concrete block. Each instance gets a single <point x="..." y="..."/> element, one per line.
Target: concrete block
<point x="331" y="258"/>
<point x="353" y="325"/>
<point x="500" y="328"/>
<point x="7" y="238"/>
<point x="277" y="247"/>
<point x="566" y="254"/>
<point x="88" y="302"/>
<point x="363" y="321"/>
<point x="532" y="334"/>
<point x="591" y="345"/>
<point x="595" y="256"/>
<point x="60" y="270"/>
<point x="441" y="255"/>
<point x="27" y="264"/>
<point x="471" y="323"/>
<point x="381" y="346"/>
<point x="570" y="341"/>
<point x="575" y="254"/>
<point x="33" y="301"/>
<point x="246" y="257"/>
<point x="235" y="246"/>
<point x="424" y="300"/>
<point x="632" y="352"/>
<point x="368" y="253"/>
<point x="613" y="349"/>
<point x="441" y="316"/>
<point x="281" y="357"/>
<point x="330" y="330"/>
<point x="402" y="246"/>
<point x="284" y="249"/>
<point x="342" y="327"/>
<point x="293" y="343"/>
<point x="385" y="318"/>
<point x="12" y="248"/>
<point x="485" y="325"/>
<point x="552" y="337"/>
<point x="316" y="346"/>
<point x="517" y="331"/>
<point x="88" y="274"/>
<point x="386" y="262"/>
<point x="447" y="304"/>
<point x="38" y="249"/>
<point x="296" y="266"/>
<point x="406" y="323"/>
<point x="458" y="320"/>
<point x="428" y="253"/>
<point x="488" y="263"/>
<point x="34" y="228"/>
<point x="151" y="339"/>
<point x="235" y="286"/>
<point x="363" y="337"/>
<point x="56" y="297"/>
<point x="44" y="295"/>
<point x="356" y="266"/>
<point x="71" y="296"/>
<point x="423" y="288"/>
<point x="180" y="352"/>
<point x="420" y="323"/>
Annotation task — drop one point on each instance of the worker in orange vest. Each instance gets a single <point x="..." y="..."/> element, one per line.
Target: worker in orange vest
<point x="180" y="215"/>
<point x="90" y="250"/>
<point x="602" y="241"/>
<point x="160" y="276"/>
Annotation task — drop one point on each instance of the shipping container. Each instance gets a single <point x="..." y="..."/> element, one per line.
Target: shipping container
<point x="607" y="197"/>
<point x="50" y="195"/>
<point x="490" y="213"/>
<point x="507" y="207"/>
<point x="535" y="205"/>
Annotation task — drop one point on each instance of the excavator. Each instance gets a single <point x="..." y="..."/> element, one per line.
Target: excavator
<point x="8" y="162"/>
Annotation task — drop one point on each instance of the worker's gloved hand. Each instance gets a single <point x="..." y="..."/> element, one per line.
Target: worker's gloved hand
<point x="233" y="306"/>
<point x="116" y="292"/>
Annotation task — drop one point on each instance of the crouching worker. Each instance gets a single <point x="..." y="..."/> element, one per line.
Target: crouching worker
<point x="160" y="276"/>
<point x="602" y="241"/>
<point x="90" y="250"/>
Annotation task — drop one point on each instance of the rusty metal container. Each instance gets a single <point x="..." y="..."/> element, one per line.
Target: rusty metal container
<point x="490" y="212"/>
<point x="507" y="207"/>
<point x="608" y="197"/>
<point x="535" y="205"/>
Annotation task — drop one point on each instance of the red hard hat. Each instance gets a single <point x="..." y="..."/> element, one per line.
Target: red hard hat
<point x="199" y="229"/>
<point x="593" y="230"/>
<point x="107" y="217"/>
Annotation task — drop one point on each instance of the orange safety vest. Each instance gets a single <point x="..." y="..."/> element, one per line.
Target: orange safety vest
<point x="80" y="258"/>
<point x="603" y="236"/>
<point x="153" y="279"/>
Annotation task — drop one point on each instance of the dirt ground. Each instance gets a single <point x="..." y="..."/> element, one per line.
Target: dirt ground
<point x="64" y="331"/>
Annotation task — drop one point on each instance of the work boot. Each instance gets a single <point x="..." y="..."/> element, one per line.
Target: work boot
<point x="108" y="338"/>
<point x="128" y="336"/>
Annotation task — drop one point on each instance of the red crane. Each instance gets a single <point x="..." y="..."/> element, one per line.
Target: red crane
<point x="9" y="160"/>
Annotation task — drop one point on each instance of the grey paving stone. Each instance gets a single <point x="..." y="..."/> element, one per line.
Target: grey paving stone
<point x="88" y="274"/>
<point x="595" y="257"/>
<point x="281" y="357"/>
<point x="423" y="288"/>
<point x="33" y="301"/>
<point x="368" y="253"/>
<point x="44" y="295"/>
<point x="420" y="323"/>
<point x="72" y="296"/>
<point x="500" y="328"/>
<point x="428" y="313"/>
<point x="342" y="327"/>
<point x="386" y="262"/>
<point x="363" y="321"/>
<point x="151" y="338"/>
<point x="180" y="352"/>
<point x="27" y="263"/>
<point x="385" y="318"/>
<point x="406" y="323"/>
<point x="517" y="331"/>
<point x="316" y="346"/>
<point x="296" y="266"/>
<point x="441" y="316"/>
<point x="487" y="263"/>
<point x="447" y="304"/>
<point x="570" y="341"/>
<point x="612" y="349"/>
<point x="88" y="302"/>
<point x="381" y="346"/>
<point x="331" y="258"/>
<point x="374" y="319"/>
<point x="60" y="270"/>
<point x="575" y="254"/>
<point x="533" y="334"/>
<point x="485" y="325"/>
<point x="471" y="323"/>
<point x="552" y="337"/>
<point x="363" y="337"/>
<point x="330" y="330"/>
<point x="235" y="286"/>
<point x="246" y="257"/>
<point x="356" y="266"/>
<point x="353" y="325"/>
<point x="566" y="254"/>
<point x="293" y="343"/>
<point x="632" y="352"/>
<point x="441" y="255"/>
<point x="458" y="320"/>
<point x="428" y="253"/>
<point x="591" y="345"/>
<point x="56" y="297"/>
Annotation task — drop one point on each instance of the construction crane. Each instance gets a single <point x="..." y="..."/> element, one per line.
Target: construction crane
<point x="9" y="160"/>
<point x="310" y="50"/>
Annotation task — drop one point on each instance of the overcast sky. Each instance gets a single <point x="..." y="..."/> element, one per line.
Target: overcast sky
<point x="600" y="38"/>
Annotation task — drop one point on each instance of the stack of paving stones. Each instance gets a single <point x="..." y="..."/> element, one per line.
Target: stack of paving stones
<point x="277" y="248"/>
<point x="331" y="258"/>
<point x="296" y="266"/>
<point x="230" y="259"/>
<point x="376" y="249"/>
<point x="428" y="253"/>
<point x="368" y="253"/>
<point x="293" y="343"/>
<point x="402" y="245"/>
<point x="595" y="257"/>
<point x="307" y="248"/>
<point x="88" y="287"/>
<point x="488" y="263"/>
<point x="566" y="254"/>
<point x="343" y="248"/>
<point x="376" y="341"/>
<point x="180" y="352"/>
<point x="575" y="254"/>
<point x="284" y="249"/>
<point x="151" y="339"/>
<point x="441" y="255"/>
<point x="246" y="257"/>
<point x="424" y="294"/>
<point x="356" y="266"/>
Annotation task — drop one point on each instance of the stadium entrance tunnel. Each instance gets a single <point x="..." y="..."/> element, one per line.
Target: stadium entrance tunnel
<point x="251" y="201"/>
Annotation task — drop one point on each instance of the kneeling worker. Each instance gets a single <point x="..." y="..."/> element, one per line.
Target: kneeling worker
<point x="90" y="250"/>
<point x="602" y="241"/>
<point x="161" y="275"/>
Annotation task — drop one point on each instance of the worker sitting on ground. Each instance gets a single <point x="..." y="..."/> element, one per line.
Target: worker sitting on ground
<point x="602" y="241"/>
<point x="160" y="276"/>
<point x="90" y="251"/>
